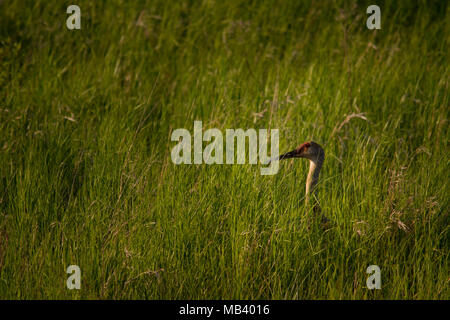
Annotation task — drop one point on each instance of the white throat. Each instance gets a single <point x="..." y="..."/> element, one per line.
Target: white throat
<point x="313" y="177"/>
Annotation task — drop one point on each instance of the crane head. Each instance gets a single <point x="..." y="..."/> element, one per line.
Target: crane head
<point x="309" y="150"/>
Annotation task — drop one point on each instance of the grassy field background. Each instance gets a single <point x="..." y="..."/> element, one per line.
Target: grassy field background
<point x="86" y="176"/>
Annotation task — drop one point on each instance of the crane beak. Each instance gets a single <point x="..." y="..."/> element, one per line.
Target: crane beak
<point x="287" y="155"/>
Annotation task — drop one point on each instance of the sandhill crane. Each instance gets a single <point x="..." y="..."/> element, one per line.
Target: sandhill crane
<point x="316" y="155"/>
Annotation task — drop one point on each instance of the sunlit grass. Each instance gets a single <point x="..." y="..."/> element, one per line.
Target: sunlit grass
<point x="86" y="176"/>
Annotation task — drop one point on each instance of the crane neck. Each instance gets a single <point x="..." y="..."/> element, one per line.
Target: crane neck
<point x="315" y="165"/>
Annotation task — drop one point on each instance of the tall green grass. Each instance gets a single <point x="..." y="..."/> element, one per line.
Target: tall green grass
<point x="86" y="176"/>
